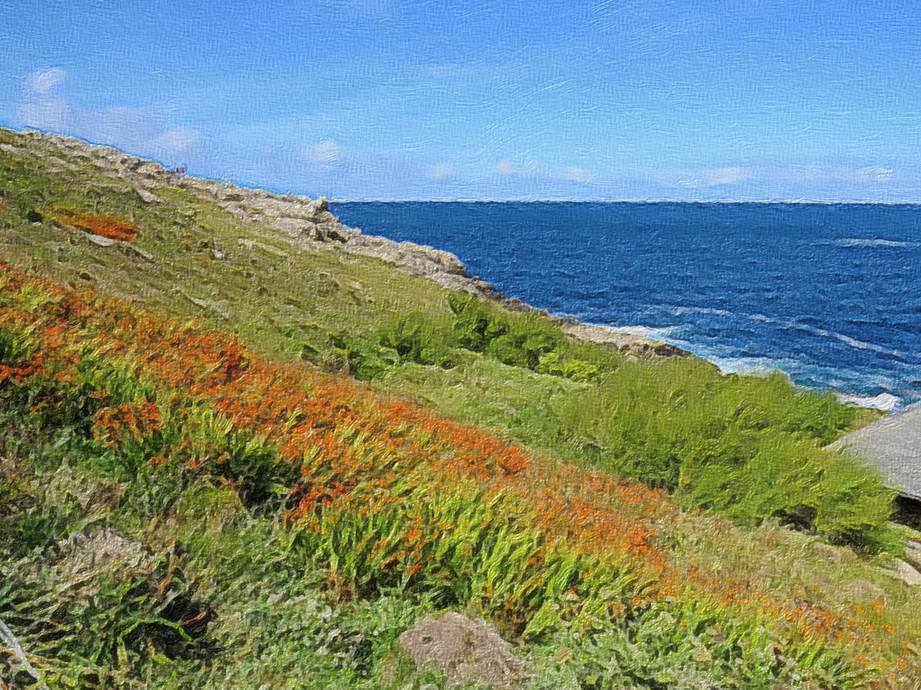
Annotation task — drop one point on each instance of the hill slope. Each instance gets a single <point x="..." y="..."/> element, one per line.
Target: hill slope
<point x="250" y="494"/>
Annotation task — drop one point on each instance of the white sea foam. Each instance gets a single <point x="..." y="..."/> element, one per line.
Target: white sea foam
<point x="846" y="339"/>
<point x="652" y="332"/>
<point x="683" y="311"/>
<point x="751" y="366"/>
<point x="875" y="242"/>
<point x="788" y="324"/>
<point x="884" y="401"/>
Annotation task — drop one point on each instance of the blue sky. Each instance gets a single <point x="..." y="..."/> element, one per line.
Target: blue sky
<point x="382" y="99"/>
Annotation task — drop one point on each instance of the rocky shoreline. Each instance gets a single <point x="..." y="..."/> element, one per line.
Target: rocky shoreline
<point x="308" y="222"/>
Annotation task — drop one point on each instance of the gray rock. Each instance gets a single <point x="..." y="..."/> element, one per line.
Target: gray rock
<point x="100" y="240"/>
<point x="15" y="150"/>
<point x="148" y="169"/>
<point x="267" y="248"/>
<point x="637" y="346"/>
<point x="913" y="554"/>
<point x="826" y="551"/>
<point x="905" y="572"/>
<point x="465" y="650"/>
<point x="146" y="196"/>
<point x="137" y="251"/>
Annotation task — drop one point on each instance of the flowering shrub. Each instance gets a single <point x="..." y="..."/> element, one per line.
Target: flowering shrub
<point x="104" y="226"/>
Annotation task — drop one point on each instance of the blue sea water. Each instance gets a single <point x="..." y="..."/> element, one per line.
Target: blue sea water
<point x="828" y="294"/>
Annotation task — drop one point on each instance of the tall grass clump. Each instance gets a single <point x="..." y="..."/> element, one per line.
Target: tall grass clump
<point x="749" y="447"/>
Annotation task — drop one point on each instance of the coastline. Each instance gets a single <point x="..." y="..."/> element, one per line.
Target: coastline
<point x="309" y="222"/>
<point x="304" y="221"/>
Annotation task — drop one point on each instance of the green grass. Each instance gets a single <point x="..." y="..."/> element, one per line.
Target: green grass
<point x="717" y="440"/>
<point x="288" y="614"/>
<point x="197" y="589"/>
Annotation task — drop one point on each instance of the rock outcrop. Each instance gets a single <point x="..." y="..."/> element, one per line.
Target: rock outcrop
<point x="463" y="649"/>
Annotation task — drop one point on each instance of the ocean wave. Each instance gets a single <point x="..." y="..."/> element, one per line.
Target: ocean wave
<point x="884" y="401"/>
<point x="788" y="325"/>
<point x="676" y="310"/>
<point x="875" y="242"/>
<point x="846" y="339"/>
<point x="653" y="332"/>
<point x="750" y="366"/>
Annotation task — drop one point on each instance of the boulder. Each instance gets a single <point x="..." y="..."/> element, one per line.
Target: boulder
<point x="463" y="649"/>
<point x="147" y="197"/>
<point x="913" y="554"/>
<point x="148" y="169"/>
<point x="905" y="572"/>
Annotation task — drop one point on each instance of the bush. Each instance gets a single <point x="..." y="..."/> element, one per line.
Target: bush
<point x="16" y="346"/>
<point x="748" y="447"/>
<point x="516" y="340"/>
<point x="476" y="323"/>
<point x="416" y="339"/>
<point x="570" y="368"/>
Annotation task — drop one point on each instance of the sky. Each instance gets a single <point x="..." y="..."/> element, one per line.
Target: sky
<point x="390" y="99"/>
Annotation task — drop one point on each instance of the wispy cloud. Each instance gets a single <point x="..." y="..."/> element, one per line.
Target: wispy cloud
<point x="439" y="171"/>
<point x="44" y="80"/>
<point x="537" y="170"/>
<point x="41" y="104"/>
<point x="875" y="173"/>
<point x="575" y="174"/>
<point x="146" y="131"/>
<point x="138" y="129"/>
<point x="714" y="177"/>
<point x="177" y="141"/>
<point x="326" y="151"/>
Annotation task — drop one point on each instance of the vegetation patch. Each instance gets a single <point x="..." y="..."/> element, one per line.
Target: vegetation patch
<point x="307" y="521"/>
<point x="103" y="226"/>
<point x="388" y="497"/>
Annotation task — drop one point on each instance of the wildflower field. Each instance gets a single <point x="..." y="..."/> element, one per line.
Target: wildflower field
<point x="386" y="497"/>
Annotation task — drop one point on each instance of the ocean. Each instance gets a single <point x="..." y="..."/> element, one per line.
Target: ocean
<point x="829" y="294"/>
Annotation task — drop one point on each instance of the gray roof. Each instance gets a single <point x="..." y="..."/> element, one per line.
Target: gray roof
<point x="893" y="444"/>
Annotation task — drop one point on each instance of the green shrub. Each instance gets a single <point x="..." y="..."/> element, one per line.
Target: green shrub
<point x="748" y="447"/>
<point x="571" y="368"/>
<point x="415" y="338"/>
<point x="476" y="322"/>
<point x="366" y="358"/>
<point x="16" y="345"/>
<point x="518" y="340"/>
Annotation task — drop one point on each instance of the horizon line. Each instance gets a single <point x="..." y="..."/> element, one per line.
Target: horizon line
<point x="653" y="200"/>
<point x="511" y="200"/>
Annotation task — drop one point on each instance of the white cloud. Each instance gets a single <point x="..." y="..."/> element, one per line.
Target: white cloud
<point x="875" y="173"/>
<point x="138" y="130"/>
<point x="41" y="105"/>
<point x="713" y="177"/>
<point x="505" y="167"/>
<point x="43" y="81"/>
<point x="326" y="151"/>
<point x="535" y="169"/>
<point x="439" y="171"/>
<point x="574" y="174"/>
<point x="176" y="141"/>
<point x="144" y="131"/>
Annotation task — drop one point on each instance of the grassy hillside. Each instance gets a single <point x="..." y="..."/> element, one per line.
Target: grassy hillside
<point x="515" y="374"/>
<point x="195" y="504"/>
